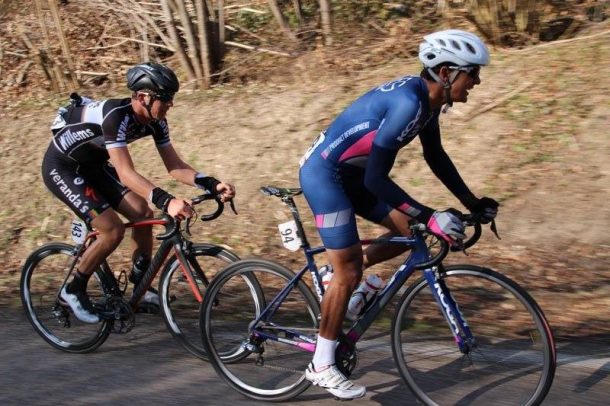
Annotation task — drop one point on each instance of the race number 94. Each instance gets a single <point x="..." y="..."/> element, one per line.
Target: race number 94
<point x="290" y="236"/>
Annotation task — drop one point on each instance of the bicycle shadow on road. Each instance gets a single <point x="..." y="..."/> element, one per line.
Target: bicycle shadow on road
<point x="585" y="354"/>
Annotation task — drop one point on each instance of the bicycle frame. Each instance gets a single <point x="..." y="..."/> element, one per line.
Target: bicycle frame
<point x="175" y="241"/>
<point x="419" y="254"/>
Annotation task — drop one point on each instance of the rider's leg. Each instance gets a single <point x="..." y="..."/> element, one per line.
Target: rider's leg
<point x="398" y="224"/>
<point x="111" y="231"/>
<point x="135" y="208"/>
<point x="347" y="272"/>
<point x="347" y="266"/>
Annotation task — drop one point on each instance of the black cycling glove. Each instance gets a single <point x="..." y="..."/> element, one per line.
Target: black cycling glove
<point x="486" y="208"/>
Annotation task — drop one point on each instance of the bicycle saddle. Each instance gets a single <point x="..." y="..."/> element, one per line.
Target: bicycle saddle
<point x="280" y="192"/>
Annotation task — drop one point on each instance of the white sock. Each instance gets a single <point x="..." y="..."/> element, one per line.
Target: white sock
<point x="325" y="353"/>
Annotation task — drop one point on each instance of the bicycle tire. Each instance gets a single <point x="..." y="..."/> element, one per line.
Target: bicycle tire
<point x="178" y="304"/>
<point x="270" y="370"/>
<point x="514" y="361"/>
<point x="41" y="279"/>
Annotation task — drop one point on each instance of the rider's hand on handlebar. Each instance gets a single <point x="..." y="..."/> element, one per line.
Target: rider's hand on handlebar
<point x="447" y="225"/>
<point x="225" y="191"/>
<point x="180" y="209"/>
<point x="485" y="208"/>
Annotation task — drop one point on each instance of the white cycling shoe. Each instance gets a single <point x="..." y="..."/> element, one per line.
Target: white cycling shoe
<point x="80" y="305"/>
<point x="335" y="382"/>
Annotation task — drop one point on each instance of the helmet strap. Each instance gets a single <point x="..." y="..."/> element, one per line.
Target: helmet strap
<point x="446" y="86"/>
<point x="148" y="106"/>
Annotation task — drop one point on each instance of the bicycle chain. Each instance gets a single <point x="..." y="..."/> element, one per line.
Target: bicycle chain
<point x="261" y="363"/>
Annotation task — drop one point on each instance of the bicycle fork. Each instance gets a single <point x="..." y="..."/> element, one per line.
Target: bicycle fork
<point x="450" y="309"/>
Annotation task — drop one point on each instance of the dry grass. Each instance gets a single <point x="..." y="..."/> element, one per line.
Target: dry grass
<point x="543" y="152"/>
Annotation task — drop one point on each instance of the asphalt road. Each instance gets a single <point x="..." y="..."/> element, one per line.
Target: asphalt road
<point x="147" y="367"/>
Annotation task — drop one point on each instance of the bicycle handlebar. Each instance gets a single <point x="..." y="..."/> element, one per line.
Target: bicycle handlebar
<point x="469" y="220"/>
<point x="172" y="226"/>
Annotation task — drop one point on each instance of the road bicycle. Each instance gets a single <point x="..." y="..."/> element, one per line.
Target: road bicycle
<point x="461" y="334"/>
<point x="181" y="285"/>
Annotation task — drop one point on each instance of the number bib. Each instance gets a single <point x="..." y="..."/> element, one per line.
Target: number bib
<point x="78" y="230"/>
<point x="290" y="236"/>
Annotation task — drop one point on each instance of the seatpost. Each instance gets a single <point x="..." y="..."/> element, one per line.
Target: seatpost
<point x="289" y="201"/>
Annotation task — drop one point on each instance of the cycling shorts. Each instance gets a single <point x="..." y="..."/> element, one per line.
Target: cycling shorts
<point x="86" y="190"/>
<point x="336" y="194"/>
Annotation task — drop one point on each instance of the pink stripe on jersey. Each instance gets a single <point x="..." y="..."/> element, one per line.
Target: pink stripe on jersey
<point x="361" y="147"/>
<point x="319" y="220"/>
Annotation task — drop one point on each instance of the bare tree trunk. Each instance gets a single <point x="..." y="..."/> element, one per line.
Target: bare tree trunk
<point x="64" y="43"/>
<point x="144" y="46"/>
<point x="281" y="20"/>
<point x="43" y="25"/>
<point x="192" y="48"/>
<point x="326" y="22"/>
<point x="221" y="31"/>
<point x="204" y="42"/>
<point x="173" y="32"/>
<point x="298" y="10"/>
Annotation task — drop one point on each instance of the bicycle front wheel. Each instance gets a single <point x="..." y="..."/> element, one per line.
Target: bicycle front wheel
<point x="178" y="301"/>
<point x="42" y="278"/>
<point x="278" y="348"/>
<point x="512" y="361"/>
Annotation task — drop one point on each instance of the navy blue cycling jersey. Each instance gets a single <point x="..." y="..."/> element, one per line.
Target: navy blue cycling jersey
<point x="360" y="147"/>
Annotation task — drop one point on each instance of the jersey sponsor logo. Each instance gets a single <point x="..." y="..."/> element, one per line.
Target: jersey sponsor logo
<point x="123" y="129"/>
<point x="413" y="127"/>
<point x="362" y="126"/>
<point x="90" y="193"/>
<point x="395" y="84"/>
<point x="68" y="138"/>
<point x="72" y="197"/>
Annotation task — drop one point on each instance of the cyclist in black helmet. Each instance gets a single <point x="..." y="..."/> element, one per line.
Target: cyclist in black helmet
<point x="89" y="168"/>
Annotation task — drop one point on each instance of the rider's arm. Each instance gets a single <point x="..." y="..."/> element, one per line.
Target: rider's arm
<point x="399" y="115"/>
<point x="176" y="167"/>
<point x="122" y="162"/>
<point x="442" y="166"/>
<point x="183" y="172"/>
<point x="377" y="180"/>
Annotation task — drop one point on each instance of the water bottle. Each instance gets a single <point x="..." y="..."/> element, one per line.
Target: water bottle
<point x="326" y="274"/>
<point x="363" y="295"/>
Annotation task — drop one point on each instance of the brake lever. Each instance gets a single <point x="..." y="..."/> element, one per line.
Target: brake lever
<point x="462" y="247"/>
<point x="187" y="229"/>
<point x="232" y="204"/>
<point x="494" y="228"/>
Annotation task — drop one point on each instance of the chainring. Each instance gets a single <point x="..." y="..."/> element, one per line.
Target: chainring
<point x="124" y="318"/>
<point x="346" y="357"/>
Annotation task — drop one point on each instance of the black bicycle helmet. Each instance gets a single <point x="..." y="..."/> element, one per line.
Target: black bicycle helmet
<point x="155" y="77"/>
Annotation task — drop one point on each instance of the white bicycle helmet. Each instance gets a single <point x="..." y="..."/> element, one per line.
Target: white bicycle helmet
<point x="453" y="46"/>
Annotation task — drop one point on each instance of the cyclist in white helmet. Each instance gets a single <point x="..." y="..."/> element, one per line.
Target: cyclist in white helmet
<point x="346" y="172"/>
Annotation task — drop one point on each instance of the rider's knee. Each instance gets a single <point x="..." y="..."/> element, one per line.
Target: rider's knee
<point x="352" y="271"/>
<point x="115" y="234"/>
<point x="141" y="210"/>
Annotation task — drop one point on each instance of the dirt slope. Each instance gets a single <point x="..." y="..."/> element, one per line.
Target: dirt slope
<point x="535" y="135"/>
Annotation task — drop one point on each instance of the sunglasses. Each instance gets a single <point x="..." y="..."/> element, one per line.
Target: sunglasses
<point x="163" y="97"/>
<point x="472" y="70"/>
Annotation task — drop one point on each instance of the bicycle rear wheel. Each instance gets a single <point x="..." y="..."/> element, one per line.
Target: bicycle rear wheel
<point x="513" y="362"/>
<point x="42" y="278"/>
<point x="271" y="370"/>
<point x="179" y="305"/>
